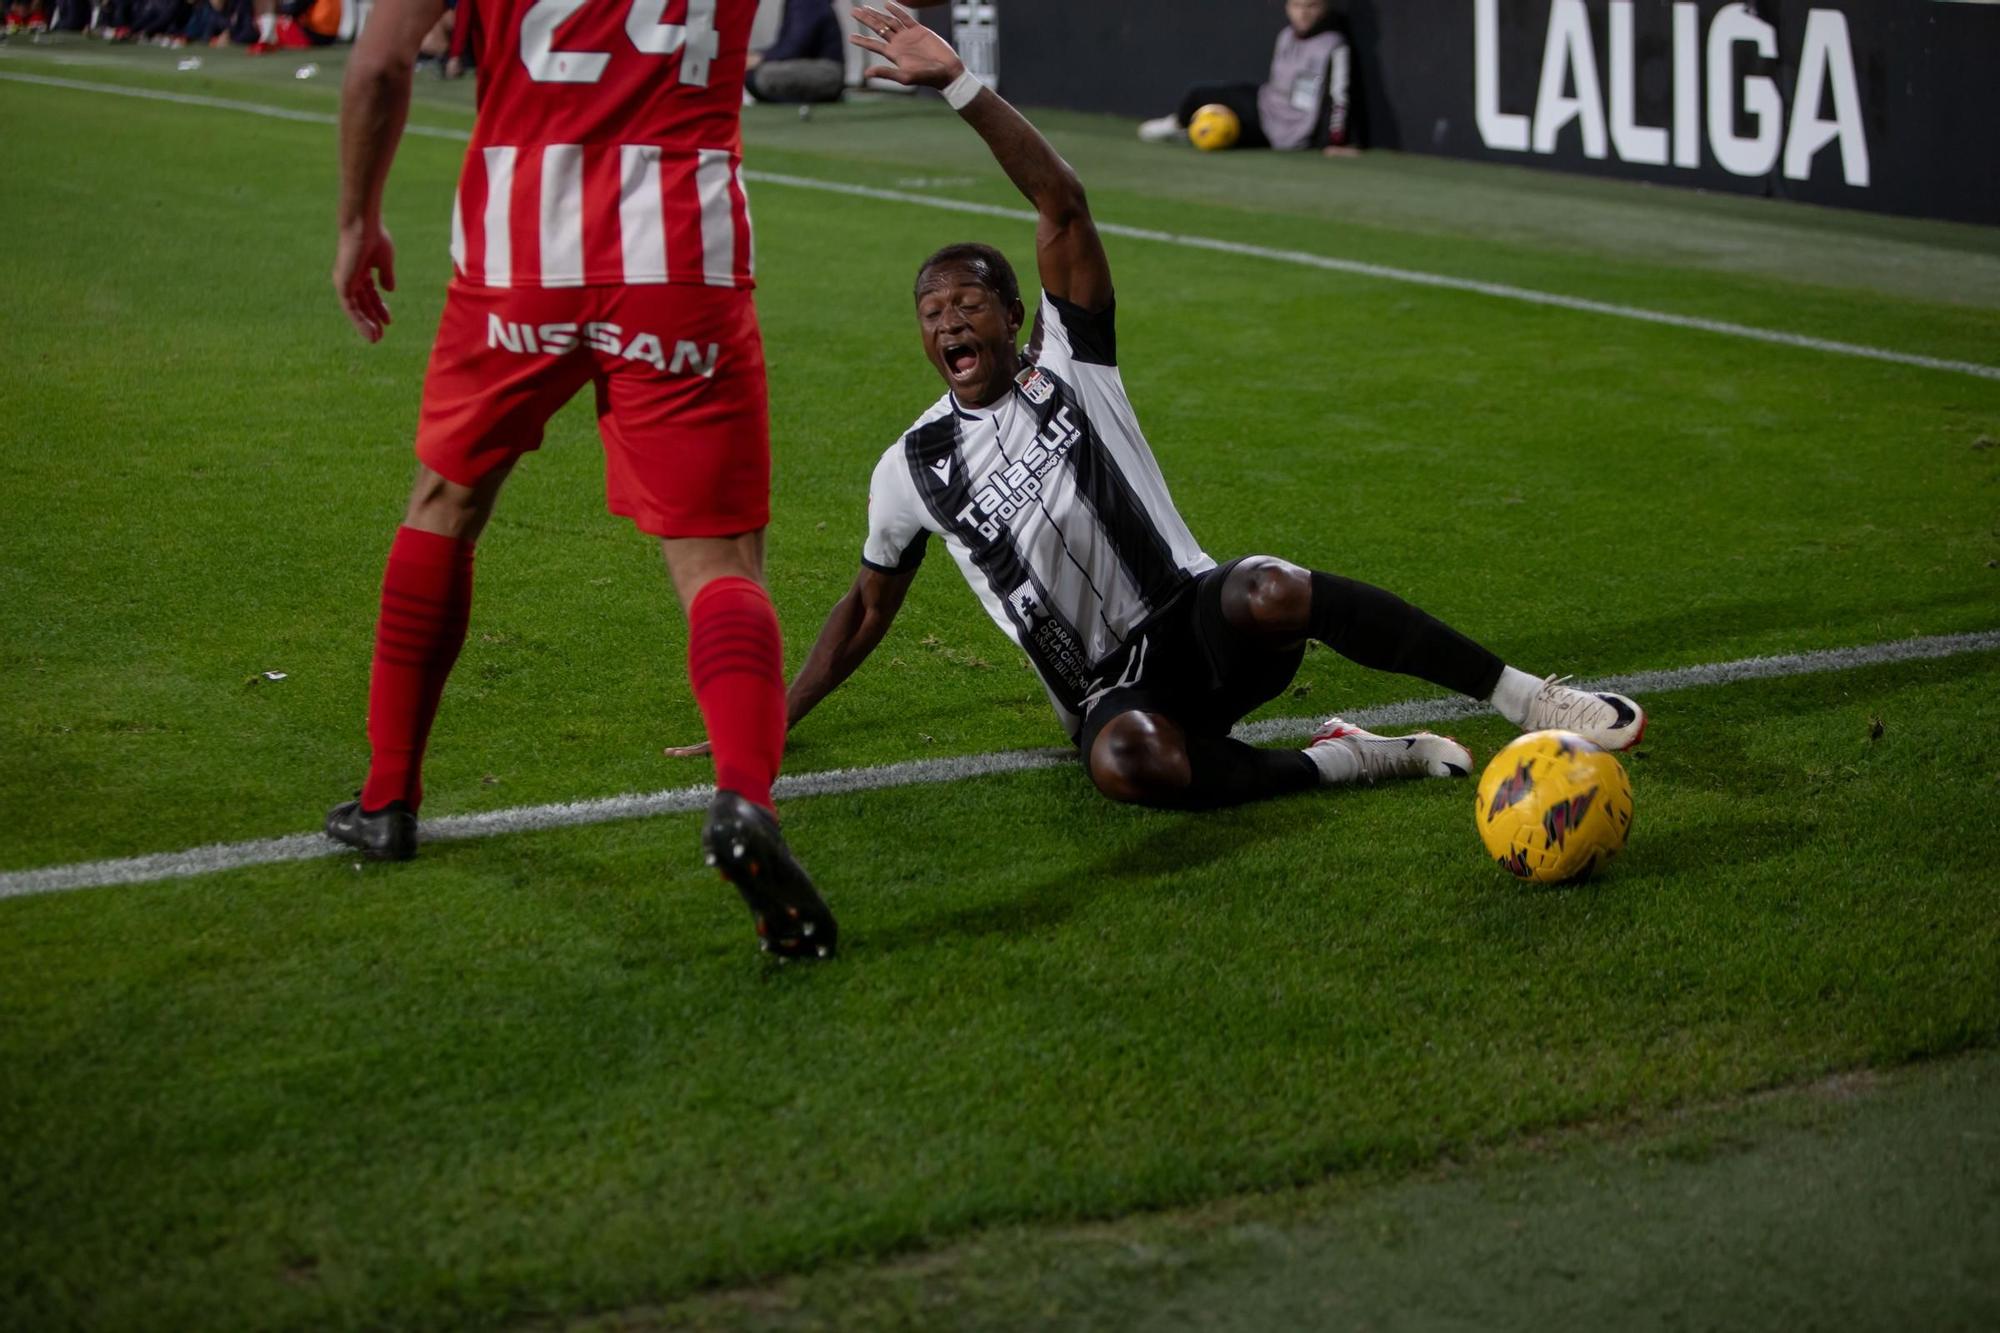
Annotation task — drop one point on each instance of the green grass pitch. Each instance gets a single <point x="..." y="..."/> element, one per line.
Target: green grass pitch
<point x="1310" y="1061"/>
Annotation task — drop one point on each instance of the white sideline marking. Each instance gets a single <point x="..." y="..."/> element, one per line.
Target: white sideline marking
<point x="1300" y="258"/>
<point x="216" y="103"/>
<point x="525" y="819"/>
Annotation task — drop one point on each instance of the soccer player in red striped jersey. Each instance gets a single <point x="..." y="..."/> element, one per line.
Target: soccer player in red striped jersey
<point x="600" y="236"/>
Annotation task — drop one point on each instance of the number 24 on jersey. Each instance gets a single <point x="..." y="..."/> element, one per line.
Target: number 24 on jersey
<point x="695" y="39"/>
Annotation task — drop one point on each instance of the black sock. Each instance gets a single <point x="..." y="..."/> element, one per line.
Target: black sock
<point x="1227" y="772"/>
<point x="1378" y="629"/>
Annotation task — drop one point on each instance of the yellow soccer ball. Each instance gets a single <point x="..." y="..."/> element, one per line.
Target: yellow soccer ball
<point x="1214" y="127"/>
<point x="1553" y="807"/>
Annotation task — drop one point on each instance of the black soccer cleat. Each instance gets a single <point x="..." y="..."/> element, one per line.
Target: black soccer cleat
<point x="388" y="834"/>
<point x="741" y="840"/>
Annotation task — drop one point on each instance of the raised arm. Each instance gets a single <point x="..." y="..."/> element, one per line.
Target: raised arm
<point x="1068" y="251"/>
<point x="374" y="103"/>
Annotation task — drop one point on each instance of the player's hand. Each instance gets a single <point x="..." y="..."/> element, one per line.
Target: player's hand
<point x="686" y="751"/>
<point x="365" y="251"/>
<point x="916" y="55"/>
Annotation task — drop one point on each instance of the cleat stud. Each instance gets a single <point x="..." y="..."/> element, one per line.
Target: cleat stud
<point x="807" y="928"/>
<point x="709" y="859"/>
<point x="736" y="849"/>
<point x="825" y="952"/>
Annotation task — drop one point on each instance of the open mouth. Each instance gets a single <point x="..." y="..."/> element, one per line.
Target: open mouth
<point x="960" y="359"/>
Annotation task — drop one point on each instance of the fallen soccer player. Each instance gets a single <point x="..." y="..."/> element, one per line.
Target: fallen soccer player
<point x="1032" y="469"/>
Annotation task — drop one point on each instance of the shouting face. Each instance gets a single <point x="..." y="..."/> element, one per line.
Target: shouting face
<point x="969" y="333"/>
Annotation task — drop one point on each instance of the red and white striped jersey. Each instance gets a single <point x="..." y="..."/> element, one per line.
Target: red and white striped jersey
<point x="608" y="147"/>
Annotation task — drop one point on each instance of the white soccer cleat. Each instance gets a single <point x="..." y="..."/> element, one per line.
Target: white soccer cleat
<point x="1160" y="129"/>
<point x="1611" y="721"/>
<point x="1421" y="754"/>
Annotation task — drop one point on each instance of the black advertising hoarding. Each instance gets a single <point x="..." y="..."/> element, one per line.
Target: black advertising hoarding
<point x="1892" y="105"/>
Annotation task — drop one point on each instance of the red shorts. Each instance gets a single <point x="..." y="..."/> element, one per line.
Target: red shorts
<point x="679" y="373"/>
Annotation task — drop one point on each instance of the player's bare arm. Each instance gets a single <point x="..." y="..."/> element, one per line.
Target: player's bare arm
<point x="854" y="628"/>
<point x="1068" y="252"/>
<point x="374" y="104"/>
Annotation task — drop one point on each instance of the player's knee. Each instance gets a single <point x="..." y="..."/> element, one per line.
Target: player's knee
<point x="1140" y="758"/>
<point x="1268" y="596"/>
<point x="440" y="505"/>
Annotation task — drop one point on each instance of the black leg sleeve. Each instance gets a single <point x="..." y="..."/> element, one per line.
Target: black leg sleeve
<point x="1228" y="772"/>
<point x="1380" y="630"/>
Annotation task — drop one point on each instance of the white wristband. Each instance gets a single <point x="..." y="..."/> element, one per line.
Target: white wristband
<point x="958" y="94"/>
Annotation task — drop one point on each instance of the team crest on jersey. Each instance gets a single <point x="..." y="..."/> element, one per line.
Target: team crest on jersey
<point x="1049" y="641"/>
<point x="1035" y="386"/>
<point x="1027" y="604"/>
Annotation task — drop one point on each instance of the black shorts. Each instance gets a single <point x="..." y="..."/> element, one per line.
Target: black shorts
<point x="1187" y="663"/>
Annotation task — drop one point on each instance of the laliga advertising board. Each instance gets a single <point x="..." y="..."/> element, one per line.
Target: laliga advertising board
<point x="1719" y="101"/>
<point x="1879" y="104"/>
<point x="1888" y="105"/>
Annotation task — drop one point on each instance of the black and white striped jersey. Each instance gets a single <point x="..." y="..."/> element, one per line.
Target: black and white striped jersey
<point x="1049" y="500"/>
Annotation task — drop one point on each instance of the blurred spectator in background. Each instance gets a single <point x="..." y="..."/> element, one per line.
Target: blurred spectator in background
<point x="448" y="48"/>
<point x="1302" y="104"/>
<point x="807" y="62"/>
<point x="435" y="50"/>
<point x="208" y="23"/>
<point x="162" y="21"/>
<point x="464" y="38"/>
<point x="26" y="16"/>
<point x="259" y="26"/>
<point x="67" y="15"/>
<point x="318" y="21"/>
<point x="264" y="17"/>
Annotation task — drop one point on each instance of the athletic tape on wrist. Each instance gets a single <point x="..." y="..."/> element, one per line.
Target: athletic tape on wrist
<point x="961" y="90"/>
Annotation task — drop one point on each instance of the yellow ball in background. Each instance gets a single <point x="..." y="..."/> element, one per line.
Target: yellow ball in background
<point x="1553" y="807"/>
<point x="1214" y="127"/>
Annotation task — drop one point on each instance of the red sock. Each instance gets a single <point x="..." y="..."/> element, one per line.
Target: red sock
<point x="736" y="664"/>
<point x="426" y="599"/>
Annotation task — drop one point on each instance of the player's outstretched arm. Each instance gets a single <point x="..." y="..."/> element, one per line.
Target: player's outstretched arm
<point x="1068" y="251"/>
<point x="853" y="628"/>
<point x="374" y="103"/>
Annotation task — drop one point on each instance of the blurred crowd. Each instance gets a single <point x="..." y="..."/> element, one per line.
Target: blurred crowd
<point x="806" y="62"/>
<point x="255" y="25"/>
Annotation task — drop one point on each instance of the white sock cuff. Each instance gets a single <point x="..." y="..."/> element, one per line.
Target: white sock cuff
<point x="1337" y="763"/>
<point x="1514" y="694"/>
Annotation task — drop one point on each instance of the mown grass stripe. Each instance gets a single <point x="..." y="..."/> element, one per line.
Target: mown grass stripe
<point x="831" y="782"/>
<point x="1297" y="258"/>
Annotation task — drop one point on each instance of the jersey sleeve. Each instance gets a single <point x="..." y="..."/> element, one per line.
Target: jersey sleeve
<point x="1338" y="129"/>
<point x="1082" y="349"/>
<point x="1067" y="335"/>
<point x="898" y="521"/>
